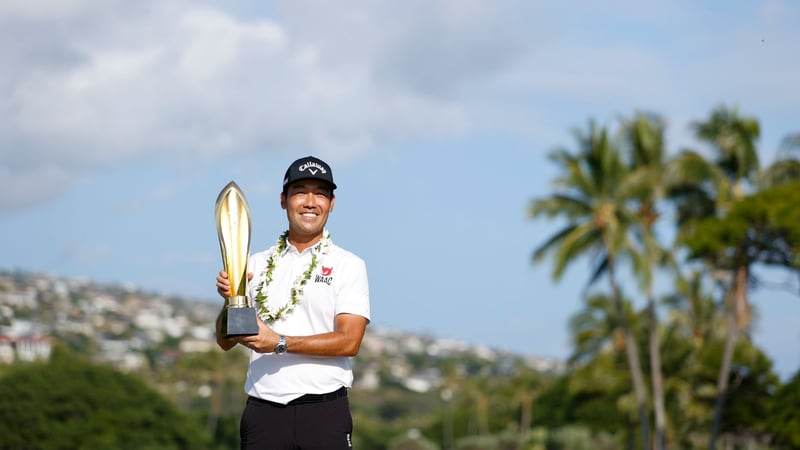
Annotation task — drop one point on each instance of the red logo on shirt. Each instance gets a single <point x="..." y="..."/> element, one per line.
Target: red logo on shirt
<point x="325" y="276"/>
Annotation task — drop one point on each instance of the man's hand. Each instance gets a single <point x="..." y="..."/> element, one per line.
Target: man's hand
<point x="263" y="342"/>
<point x="224" y="284"/>
<point x="345" y="340"/>
<point x="223" y="289"/>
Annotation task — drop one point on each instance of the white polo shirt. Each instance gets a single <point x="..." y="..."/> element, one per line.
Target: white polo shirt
<point x="337" y="285"/>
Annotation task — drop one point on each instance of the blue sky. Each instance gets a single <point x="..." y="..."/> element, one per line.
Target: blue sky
<point x="120" y="123"/>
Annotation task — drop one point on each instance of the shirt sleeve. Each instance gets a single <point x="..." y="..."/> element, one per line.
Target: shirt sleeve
<point x="352" y="295"/>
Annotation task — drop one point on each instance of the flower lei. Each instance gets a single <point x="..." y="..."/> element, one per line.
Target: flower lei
<point x="321" y="248"/>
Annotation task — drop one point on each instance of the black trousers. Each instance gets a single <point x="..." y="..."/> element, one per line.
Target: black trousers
<point x="312" y="422"/>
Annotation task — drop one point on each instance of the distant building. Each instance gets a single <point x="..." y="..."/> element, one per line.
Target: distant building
<point x="24" y="348"/>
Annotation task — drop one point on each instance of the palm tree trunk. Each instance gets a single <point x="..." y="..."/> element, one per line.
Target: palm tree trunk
<point x="657" y="377"/>
<point x="737" y="297"/>
<point x="633" y="359"/>
<point x="722" y="381"/>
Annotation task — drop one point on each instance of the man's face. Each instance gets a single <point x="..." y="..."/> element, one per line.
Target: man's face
<point x="308" y="204"/>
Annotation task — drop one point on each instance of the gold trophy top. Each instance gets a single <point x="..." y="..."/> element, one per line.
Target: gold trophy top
<point x="233" y="230"/>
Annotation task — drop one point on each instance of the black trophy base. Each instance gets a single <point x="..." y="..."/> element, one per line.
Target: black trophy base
<point x="239" y="322"/>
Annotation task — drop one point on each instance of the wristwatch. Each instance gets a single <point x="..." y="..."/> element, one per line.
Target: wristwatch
<point x="280" y="347"/>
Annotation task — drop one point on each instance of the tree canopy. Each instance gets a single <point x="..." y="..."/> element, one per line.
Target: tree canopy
<point x="78" y="405"/>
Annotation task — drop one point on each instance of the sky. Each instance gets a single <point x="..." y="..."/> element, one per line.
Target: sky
<point x="120" y="122"/>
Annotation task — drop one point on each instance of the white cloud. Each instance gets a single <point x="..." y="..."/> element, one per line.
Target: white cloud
<point x="41" y="9"/>
<point x="168" y="83"/>
<point x="93" y="85"/>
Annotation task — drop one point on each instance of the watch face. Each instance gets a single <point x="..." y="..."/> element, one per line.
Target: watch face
<point x="280" y="347"/>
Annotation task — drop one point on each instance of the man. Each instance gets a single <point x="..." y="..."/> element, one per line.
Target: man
<point x="312" y="298"/>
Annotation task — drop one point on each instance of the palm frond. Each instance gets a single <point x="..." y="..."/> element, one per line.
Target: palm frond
<point x="599" y="270"/>
<point x="541" y="251"/>
<point x="575" y="244"/>
<point x="559" y="204"/>
<point x="733" y="138"/>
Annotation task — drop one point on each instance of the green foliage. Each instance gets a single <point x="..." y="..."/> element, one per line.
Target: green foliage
<point x="783" y="420"/>
<point x="412" y="441"/>
<point x="584" y="398"/>
<point x="751" y="388"/>
<point x="377" y="417"/>
<point x="761" y="228"/>
<point x="219" y="376"/>
<point x="691" y="390"/>
<point x="76" y="405"/>
<point x="580" y="438"/>
<point x="488" y="442"/>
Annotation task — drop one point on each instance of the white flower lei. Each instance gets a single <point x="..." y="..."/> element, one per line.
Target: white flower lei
<point x="321" y="248"/>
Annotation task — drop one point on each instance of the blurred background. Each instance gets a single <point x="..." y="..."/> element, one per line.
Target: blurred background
<point x="646" y="154"/>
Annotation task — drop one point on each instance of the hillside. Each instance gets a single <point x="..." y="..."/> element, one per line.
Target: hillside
<point x="135" y="331"/>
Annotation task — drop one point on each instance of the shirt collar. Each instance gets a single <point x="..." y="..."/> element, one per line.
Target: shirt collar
<point x="291" y="248"/>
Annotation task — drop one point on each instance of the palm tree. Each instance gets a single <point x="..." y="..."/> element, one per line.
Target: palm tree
<point x="598" y="225"/>
<point x="693" y="315"/>
<point x="598" y="372"/>
<point x="715" y="186"/>
<point x="785" y="168"/>
<point x="649" y="182"/>
<point x="758" y="229"/>
<point x="693" y="325"/>
<point x="526" y="386"/>
<point x="595" y="329"/>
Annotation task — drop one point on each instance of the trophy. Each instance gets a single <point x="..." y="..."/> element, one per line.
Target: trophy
<point x="233" y="230"/>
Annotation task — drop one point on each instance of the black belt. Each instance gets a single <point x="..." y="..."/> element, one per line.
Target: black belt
<point x="310" y="398"/>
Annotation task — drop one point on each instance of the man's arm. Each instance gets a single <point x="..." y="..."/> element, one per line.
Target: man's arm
<point x="223" y="342"/>
<point x="344" y="340"/>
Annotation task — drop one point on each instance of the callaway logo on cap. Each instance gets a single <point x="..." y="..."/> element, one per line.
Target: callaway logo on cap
<point x="309" y="168"/>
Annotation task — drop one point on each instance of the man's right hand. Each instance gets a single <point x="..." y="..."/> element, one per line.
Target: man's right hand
<point x="223" y="284"/>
